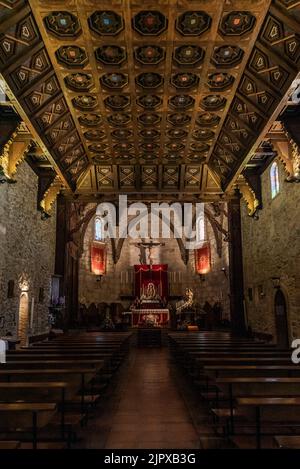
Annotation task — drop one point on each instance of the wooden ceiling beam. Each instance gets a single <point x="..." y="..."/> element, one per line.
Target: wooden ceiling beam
<point x="99" y="144"/>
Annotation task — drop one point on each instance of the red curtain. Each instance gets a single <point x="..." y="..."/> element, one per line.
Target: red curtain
<point x="98" y="258"/>
<point x="203" y="259"/>
<point x="157" y="274"/>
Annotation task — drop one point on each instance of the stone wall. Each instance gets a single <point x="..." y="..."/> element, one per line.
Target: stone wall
<point x="27" y="252"/>
<point x="119" y="277"/>
<point x="271" y="248"/>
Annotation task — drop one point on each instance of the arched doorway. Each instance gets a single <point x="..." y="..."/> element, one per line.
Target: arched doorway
<point x="281" y="319"/>
<point x="23" y="318"/>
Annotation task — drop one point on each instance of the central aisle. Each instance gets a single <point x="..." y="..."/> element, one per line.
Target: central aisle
<point x="148" y="410"/>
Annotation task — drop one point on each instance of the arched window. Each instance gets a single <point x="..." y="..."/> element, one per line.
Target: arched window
<point x="274" y="178"/>
<point x="200" y="229"/>
<point x="99" y="229"/>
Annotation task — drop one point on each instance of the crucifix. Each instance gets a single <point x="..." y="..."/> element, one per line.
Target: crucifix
<point x="148" y="245"/>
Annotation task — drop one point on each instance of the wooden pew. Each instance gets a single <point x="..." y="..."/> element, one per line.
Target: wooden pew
<point x="242" y="368"/>
<point x="67" y="362"/>
<point x="9" y="445"/>
<point x="219" y="371"/>
<point x="26" y="415"/>
<point x="274" y="408"/>
<point x="54" y="363"/>
<point x="235" y="387"/>
<point x="33" y="391"/>
<point x="287" y="441"/>
<point x="53" y="391"/>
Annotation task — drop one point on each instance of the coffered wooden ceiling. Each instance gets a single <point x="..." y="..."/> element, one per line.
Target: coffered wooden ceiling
<point x="168" y="96"/>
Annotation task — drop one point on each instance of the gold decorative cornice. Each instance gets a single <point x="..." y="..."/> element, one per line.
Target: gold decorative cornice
<point x="50" y="196"/>
<point x="293" y="165"/>
<point x="248" y="196"/>
<point x="14" y="152"/>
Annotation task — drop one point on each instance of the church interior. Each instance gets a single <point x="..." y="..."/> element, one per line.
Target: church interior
<point x="149" y="341"/>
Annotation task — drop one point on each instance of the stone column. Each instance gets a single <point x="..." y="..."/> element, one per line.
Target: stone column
<point x="236" y="267"/>
<point x="66" y="261"/>
<point x="61" y="237"/>
<point x="71" y="287"/>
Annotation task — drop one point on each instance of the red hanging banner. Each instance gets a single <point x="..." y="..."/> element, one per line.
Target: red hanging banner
<point x="202" y="259"/>
<point x="98" y="258"/>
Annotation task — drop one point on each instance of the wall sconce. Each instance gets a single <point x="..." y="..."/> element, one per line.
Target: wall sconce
<point x="275" y="282"/>
<point x="99" y="278"/>
<point x="202" y="277"/>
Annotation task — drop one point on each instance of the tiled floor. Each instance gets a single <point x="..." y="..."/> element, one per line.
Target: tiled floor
<point x="150" y="412"/>
<point x="150" y="404"/>
<point x="144" y="409"/>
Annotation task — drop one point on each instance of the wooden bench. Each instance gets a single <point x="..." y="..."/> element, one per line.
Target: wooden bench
<point x="9" y="445"/>
<point x="270" y="404"/>
<point x="58" y="372"/>
<point x="258" y="387"/>
<point x="219" y="371"/>
<point x="26" y="415"/>
<point x="287" y="442"/>
<point x="36" y="392"/>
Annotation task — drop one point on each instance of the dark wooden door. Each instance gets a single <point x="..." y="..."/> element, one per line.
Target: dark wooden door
<point x="281" y="320"/>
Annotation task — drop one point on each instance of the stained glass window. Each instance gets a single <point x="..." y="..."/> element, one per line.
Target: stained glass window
<point x="99" y="229"/>
<point x="200" y="229"/>
<point x="274" y="179"/>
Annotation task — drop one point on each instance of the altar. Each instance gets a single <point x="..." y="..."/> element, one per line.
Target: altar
<point x="151" y="293"/>
<point x="150" y="317"/>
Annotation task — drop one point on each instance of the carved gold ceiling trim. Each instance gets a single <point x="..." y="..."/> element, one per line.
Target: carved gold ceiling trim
<point x="14" y="152"/>
<point x="49" y="197"/>
<point x="32" y="131"/>
<point x="248" y="196"/>
<point x="99" y="70"/>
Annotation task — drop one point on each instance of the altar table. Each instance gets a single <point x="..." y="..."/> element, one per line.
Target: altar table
<point x="161" y="316"/>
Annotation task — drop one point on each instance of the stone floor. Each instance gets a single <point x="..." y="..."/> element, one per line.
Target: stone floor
<point x="150" y="405"/>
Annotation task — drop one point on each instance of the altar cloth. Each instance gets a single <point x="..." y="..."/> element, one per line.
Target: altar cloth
<point x="160" y="316"/>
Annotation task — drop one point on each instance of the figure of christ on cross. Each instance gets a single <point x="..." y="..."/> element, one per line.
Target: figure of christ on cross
<point x="147" y="245"/>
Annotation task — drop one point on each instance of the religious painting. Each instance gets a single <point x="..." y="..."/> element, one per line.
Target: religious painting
<point x="150" y="292"/>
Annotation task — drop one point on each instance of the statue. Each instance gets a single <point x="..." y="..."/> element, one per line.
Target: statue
<point x="150" y="294"/>
<point x="186" y="302"/>
<point x="147" y="245"/>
